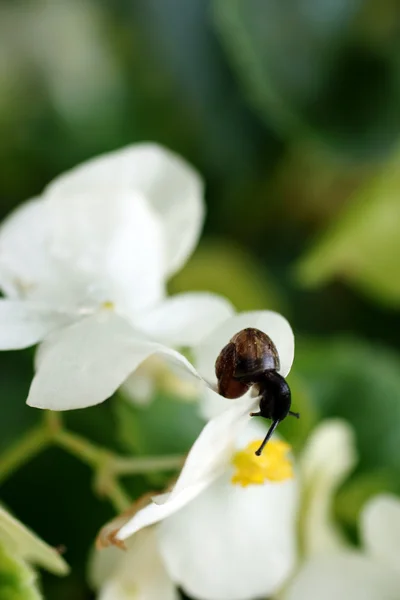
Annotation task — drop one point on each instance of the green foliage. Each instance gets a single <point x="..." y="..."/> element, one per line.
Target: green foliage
<point x="360" y="382"/>
<point x="17" y="579"/>
<point x="245" y="282"/>
<point x="296" y="431"/>
<point x="15" y="377"/>
<point x="309" y="69"/>
<point x="356" y="492"/>
<point x="166" y="426"/>
<point x="363" y="245"/>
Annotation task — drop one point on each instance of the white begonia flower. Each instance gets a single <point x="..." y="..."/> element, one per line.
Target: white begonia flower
<point x="371" y="574"/>
<point x="218" y="542"/>
<point x="137" y="574"/>
<point x="226" y="531"/>
<point x="23" y="543"/>
<point x="324" y="464"/>
<point x="84" y="267"/>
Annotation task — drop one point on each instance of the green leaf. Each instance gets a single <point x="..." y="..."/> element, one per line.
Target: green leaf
<point x="245" y="282"/>
<point x="356" y="492"/>
<point x="360" y="382"/>
<point x="319" y="68"/>
<point x="166" y="426"/>
<point x="296" y="431"/>
<point x="15" y="378"/>
<point x="17" y="579"/>
<point x="180" y="46"/>
<point x="16" y="536"/>
<point x="363" y="245"/>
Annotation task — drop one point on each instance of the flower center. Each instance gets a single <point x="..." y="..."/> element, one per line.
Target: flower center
<point x="108" y="305"/>
<point x="272" y="465"/>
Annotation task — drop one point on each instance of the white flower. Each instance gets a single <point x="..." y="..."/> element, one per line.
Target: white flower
<point x="19" y="541"/>
<point x="88" y="261"/>
<point x="138" y="574"/>
<point x="324" y="464"/>
<point x="373" y="574"/>
<point x="222" y="541"/>
<point x="227" y="529"/>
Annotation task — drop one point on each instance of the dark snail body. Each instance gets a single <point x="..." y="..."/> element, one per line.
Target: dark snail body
<point x="251" y="358"/>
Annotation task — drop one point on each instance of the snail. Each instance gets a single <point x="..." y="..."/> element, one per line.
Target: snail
<point x="251" y="359"/>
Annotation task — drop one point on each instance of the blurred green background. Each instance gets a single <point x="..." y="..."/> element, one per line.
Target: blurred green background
<point x="290" y="109"/>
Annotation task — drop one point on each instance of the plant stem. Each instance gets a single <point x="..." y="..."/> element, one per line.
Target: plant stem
<point x="53" y="421"/>
<point x="118" y="497"/>
<point x="22" y="451"/>
<point x="125" y="465"/>
<point x="107" y="486"/>
<point x="107" y="465"/>
<point x="81" y="448"/>
<point x="97" y="456"/>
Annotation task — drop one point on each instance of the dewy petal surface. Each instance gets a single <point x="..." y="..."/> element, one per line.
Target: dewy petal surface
<point x="169" y="184"/>
<point x="327" y="459"/>
<point x="346" y="576"/>
<point x="380" y="530"/>
<point x="86" y="363"/>
<point x="112" y="242"/>
<point x="136" y="574"/>
<point x="232" y="543"/>
<point x="23" y="542"/>
<point x="185" y="319"/>
<point x="271" y="323"/>
<point x="23" y="324"/>
<point x="208" y="458"/>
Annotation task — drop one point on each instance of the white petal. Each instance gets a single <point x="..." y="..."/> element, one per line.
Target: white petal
<point x="23" y="324"/>
<point x="103" y="565"/>
<point x="345" y="577"/>
<point x="208" y="458"/>
<point x="159" y="373"/>
<point x="185" y="319"/>
<point x="232" y="543"/>
<point x="113" y="590"/>
<point x="23" y="542"/>
<point x="139" y="388"/>
<point x="27" y="269"/>
<point x="85" y="363"/>
<point x="138" y="574"/>
<point x="380" y="529"/>
<point x="326" y="461"/>
<point x="112" y="242"/>
<point x="271" y="323"/>
<point x="211" y="405"/>
<point x="168" y="183"/>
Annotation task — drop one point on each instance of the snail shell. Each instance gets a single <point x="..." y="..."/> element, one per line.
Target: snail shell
<point x="240" y="363"/>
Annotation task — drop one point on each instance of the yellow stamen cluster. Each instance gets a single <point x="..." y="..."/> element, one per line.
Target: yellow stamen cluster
<point x="272" y="465"/>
